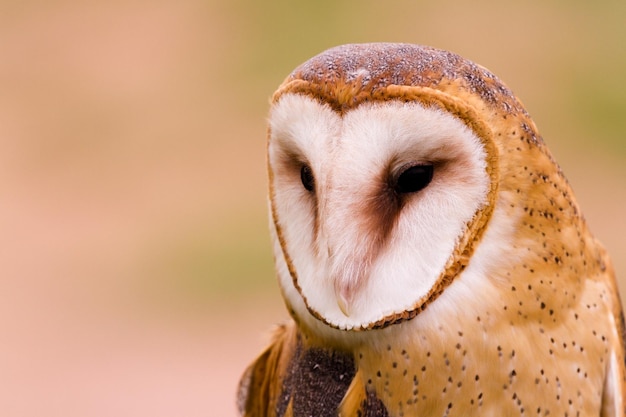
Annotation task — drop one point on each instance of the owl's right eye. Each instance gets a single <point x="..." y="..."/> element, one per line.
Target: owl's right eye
<point x="414" y="179"/>
<point x="306" y="176"/>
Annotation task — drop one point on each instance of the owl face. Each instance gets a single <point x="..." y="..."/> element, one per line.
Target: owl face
<point x="371" y="206"/>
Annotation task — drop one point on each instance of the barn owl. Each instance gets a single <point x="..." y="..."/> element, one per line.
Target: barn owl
<point x="429" y="250"/>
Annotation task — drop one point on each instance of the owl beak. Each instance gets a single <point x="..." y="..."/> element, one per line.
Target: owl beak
<point x="348" y="278"/>
<point x="344" y="297"/>
<point x="343" y="305"/>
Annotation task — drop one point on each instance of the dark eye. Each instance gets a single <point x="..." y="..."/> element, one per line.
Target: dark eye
<point x="414" y="178"/>
<point x="306" y="176"/>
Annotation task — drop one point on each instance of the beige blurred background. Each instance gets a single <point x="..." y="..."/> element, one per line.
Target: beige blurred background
<point x="136" y="277"/>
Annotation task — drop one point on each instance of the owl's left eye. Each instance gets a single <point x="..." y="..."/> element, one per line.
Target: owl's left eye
<point x="306" y="176"/>
<point x="414" y="179"/>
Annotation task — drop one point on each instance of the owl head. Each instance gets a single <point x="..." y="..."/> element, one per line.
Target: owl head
<point x="393" y="169"/>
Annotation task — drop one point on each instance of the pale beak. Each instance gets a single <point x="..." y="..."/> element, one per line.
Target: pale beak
<point x="344" y="299"/>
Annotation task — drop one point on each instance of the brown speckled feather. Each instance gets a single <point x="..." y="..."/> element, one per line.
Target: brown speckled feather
<point x="544" y="336"/>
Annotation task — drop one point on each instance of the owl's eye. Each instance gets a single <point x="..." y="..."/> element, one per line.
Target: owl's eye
<point x="306" y="176"/>
<point x="414" y="178"/>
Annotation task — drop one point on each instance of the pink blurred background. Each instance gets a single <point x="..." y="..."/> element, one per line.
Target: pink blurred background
<point x="135" y="270"/>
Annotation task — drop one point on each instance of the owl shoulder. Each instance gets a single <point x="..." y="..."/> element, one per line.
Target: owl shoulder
<point x="262" y="382"/>
<point x="293" y="377"/>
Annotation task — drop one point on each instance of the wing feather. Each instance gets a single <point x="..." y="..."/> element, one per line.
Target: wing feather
<point x="262" y="382"/>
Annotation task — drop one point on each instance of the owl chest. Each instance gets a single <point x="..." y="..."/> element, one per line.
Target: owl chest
<point x="510" y="373"/>
<point x="454" y="375"/>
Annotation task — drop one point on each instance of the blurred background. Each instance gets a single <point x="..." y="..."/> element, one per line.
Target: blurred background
<point x="135" y="269"/>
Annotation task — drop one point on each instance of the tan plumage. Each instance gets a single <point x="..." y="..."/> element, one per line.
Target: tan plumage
<point x="523" y="318"/>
